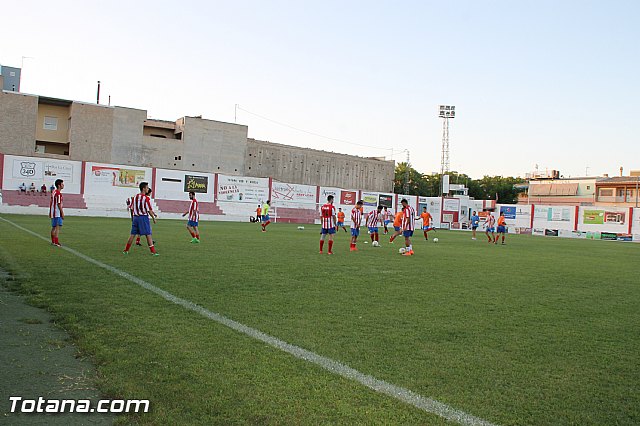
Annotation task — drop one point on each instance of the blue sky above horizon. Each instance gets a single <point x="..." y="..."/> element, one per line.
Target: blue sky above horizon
<point x="548" y="83"/>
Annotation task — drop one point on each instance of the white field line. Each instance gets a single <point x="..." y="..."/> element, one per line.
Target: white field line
<point x="426" y="404"/>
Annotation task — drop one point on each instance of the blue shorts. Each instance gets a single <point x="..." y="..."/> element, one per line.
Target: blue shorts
<point x="474" y="227"/>
<point x="427" y="228"/>
<point x="396" y="228"/>
<point x="492" y="230"/>
<point x="373" y="230"/>
<point x="325" y="231"/>
<point x="56" y="221"/>
<point x="355" y="232"/>
<point x="386" y="222"/>
<point x="407" y="233"/>
<point x="140" y="225"/>
<point x="192" y="223"/>
<point x="265" y="217"/>
<point x="340" y="224"/>
<point x="501" y="229"/>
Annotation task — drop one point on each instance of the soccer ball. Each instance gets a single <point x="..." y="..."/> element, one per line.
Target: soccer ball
<point x="435" y="240"/>
<point x="375" y="244"/>
<point x="402" y="250"/>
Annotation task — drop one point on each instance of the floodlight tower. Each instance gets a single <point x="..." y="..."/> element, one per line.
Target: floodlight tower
<point x="446" y="112"/>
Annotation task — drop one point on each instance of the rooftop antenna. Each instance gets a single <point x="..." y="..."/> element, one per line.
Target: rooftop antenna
<point x="98" y="95"/>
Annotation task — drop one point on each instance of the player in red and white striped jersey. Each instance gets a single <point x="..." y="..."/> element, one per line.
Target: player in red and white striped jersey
<point x="327" y="223"/>
<point x="141" y="209"/>
<point x="373" y="218"/>
<point x="55" y="212"/>
<point x="408" y="225"/>
<point x="194" y="216"/>
<point x="129" y="209"/>
<point x="356" y="221"/>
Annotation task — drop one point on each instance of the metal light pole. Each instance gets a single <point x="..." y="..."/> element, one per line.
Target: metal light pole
<point x="446" y="112"/>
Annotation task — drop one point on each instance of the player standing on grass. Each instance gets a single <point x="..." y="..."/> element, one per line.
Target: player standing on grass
<point x="265" y="215"/>
<point x="426" y="222"/>
<point x="141" y="208"/>
<point x="386" y="216"/>
<point x="194" y="216"/>
<point x="408" y="224"/>
<point x="397" y="225"/>
<point x="340" y="220"/>
<point x="502" y="228"/>
<point x="373" y="218"/>
<point x="258" y="213"/>
<point x="130" y="208"/>
<point x="328" y="223"/>
<point x="490" y="226"/>
<point x="356" y="220"/>
<point x="56" y="213"/>
<point x="475" y="221"/>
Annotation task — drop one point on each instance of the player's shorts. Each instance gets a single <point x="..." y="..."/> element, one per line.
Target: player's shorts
<point x="407" y="233"/>
<point x="340" y="224"/>
<point x="386" y="222"/>
<point x="492" y="230"/>
<point x="140" y="226"/>
<point x="355" y="232"/>
<point x="265" y="218"/>
<point x="325" y="231"/>
<point x="501" y="229"/>
<point x="373" y="230"/>
<point x="56" y="221"/>
<point x="474" y="227"/>
<point x="192" y="223"/>
<point x="427" y="228"/>
<point x="396" y="228"/>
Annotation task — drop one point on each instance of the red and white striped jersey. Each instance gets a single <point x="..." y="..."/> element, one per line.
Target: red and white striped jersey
<point x="409" y="218"/>
<point x="194" y="214"/>
<point x="130" y="203"/>
<point x="356" y="218"/>
<point x="55" y="204"/>
<point x="141" y="205"/>
<point x="327" y="216"/>
<point x="388" y="215"/>
<point x="373" y="218"/>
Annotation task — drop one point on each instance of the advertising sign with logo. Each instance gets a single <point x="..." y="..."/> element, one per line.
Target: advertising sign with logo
<point x="370" y="199"/>
<point x="593" y="217"/>
<point x="508" y="211"/>
<point x="197" y="184"/>
<point x="348" y="198"/>
<point x="293" y="192"/>
<point x="240" y="188"/>
<point x="38" y="169"/>
<point x="115" y="176"/>
<point x="386" y="200"/>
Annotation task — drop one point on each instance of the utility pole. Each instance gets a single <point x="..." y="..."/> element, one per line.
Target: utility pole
<point x="446" y="112"/>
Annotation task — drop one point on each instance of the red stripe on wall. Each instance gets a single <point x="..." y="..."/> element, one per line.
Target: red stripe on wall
<point x="83" y="177"/>
<point x="1" y="169"/>
<point x="215" y="187"/>
<point x="153" y="183"/>
<point x="270" y="186"/>
<point x="630" y="219"/>
<point x="575" y="226"/>
<point x="533" y="210"/>
<point x="317" y="195"/>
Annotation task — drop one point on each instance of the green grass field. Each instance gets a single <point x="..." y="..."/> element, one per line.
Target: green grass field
<point x="542" y="331"/>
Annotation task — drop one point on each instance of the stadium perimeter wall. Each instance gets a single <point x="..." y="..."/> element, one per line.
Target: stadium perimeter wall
<point x="104" y="188"/>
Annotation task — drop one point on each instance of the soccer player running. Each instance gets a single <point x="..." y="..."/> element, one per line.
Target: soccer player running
<point x="194" y="216"/>
<point x="265" y="215"/>
<point x="328" y="223"/>
<point x="56" y="214"/>
<point x="475" y="221"/>
<point x="373" y="218"/>
<point x="502" y="228"/>
<point x="397" y="225"/>
<point x="340" y="220"/>
<point x="426" y="222"/>
<point x="356" y="220"/>
<point x="386" y="215"/>
<point x="408" y="224"/>
<point x="490" y="228"/>
<point x="141" y="208"/>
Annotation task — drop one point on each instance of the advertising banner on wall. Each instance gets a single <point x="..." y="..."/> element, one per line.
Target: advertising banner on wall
<point x="197" y="184"/>
<point x="370" y="199"/>
<point x="451" y="205"/>
<point x="559" y="214"/>
<point x="508" y="211"/>
<point x="27" y="170"/>
<point x="386" y="200"/>
<point x="348" y="198"/>
<point x="115" y="176"/>
<point x="593" y="217"/>
<point x="240" y="188"/>
<point x="40" y="169"/>
<point x="326" y="191"/>
<point x="293" y="192"/>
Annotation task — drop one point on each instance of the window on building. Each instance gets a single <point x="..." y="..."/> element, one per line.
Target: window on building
<point x="50" y="123"/>
<point x="588" y="186"/>
<point x="606" y="192"/>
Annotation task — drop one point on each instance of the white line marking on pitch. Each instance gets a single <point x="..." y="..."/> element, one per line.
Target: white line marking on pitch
<point x="426" y="404"/>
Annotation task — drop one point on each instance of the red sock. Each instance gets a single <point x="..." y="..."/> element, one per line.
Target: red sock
<point x="425" y="234"/>
<point x="127" y="247"/>
<point x="57" y="242"/>
<point x="376" y="237"/>
<point x="53" y="239"/>
<point x="330" y="246"/>
<point x="321" y="244"/>
<point x="192" y="234"/>
<point x="372" y="237"/>
<point x="268" y="222"/>
<point x="152" y="248"/>
<point x="138" y="240"/>
<point x="197" y="236"/>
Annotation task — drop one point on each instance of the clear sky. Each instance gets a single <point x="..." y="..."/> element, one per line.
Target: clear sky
<point x="553" y="83"/>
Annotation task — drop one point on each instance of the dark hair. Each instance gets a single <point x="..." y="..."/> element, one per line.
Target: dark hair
<point x="359" y="203"/>
<point x="330" y="197"/>
<point x="268" y="201"/>
<point x="191" y="192"/>
<point x="58" y="183"/>
<point x="379" y="206"/>
<point x="404" y="200"/>
<point x="143" y="185"/>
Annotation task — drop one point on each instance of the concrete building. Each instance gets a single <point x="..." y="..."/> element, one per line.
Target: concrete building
<point x="42" y="126"/>
<point x="620" y="191"/>
<point x="10" y="78"/>
<point x="579" y="191"/>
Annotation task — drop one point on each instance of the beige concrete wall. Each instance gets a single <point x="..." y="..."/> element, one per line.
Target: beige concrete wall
<point x="214" y="146"/>
<point x="18" y="117"/>
<point x="62" y="114"/>
<point x="313" y="167"/>
<point x="126" y="144"/>
<point x="91" y="132"/>
<point x="164" y="153"/>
